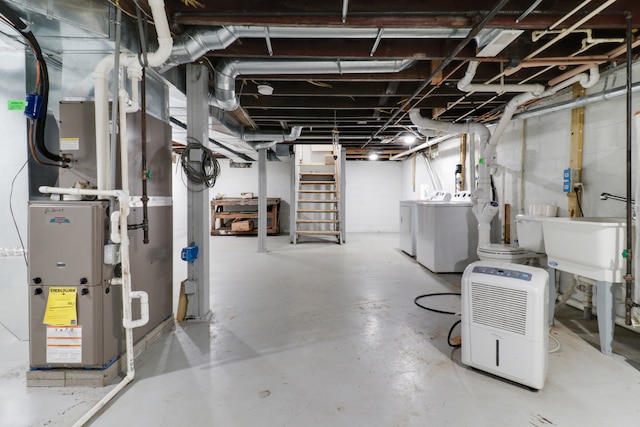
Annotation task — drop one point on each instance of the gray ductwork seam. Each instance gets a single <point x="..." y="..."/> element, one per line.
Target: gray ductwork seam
<point x="252" y="136"/>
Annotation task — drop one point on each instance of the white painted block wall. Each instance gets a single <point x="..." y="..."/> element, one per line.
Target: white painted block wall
<point x="13" y="270"/>
<point x="372" y="194"/>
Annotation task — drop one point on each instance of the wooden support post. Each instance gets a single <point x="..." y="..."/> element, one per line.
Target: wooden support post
<point x="575" y="150"/>
<point x="463" y="160"/>
<point x="507" y="223"/>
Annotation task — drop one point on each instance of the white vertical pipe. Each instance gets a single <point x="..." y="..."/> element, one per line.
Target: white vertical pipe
<point x="123" y="98"/>
<point x="101" y="82"/>
<point x="123" y="200"/>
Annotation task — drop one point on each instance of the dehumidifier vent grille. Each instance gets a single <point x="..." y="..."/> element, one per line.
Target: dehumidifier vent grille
<point x="499" y="307"/>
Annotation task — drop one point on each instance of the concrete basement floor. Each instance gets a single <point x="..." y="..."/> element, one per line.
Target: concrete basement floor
<point x="319" y="334"/>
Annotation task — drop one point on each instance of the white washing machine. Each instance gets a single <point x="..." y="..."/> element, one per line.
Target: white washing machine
<point x="447" y="234"/>
<point x="408" y="226"/>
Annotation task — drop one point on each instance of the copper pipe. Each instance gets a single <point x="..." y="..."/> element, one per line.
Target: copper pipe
<point x="611" y="55"/>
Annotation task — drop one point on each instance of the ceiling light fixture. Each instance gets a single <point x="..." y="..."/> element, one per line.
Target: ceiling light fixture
<point x="409" y="138"/>
<point x="373" y="156"/>
<point x="265" y="89"/>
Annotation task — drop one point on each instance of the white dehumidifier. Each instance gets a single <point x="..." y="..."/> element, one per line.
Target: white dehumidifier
<point x="505" y="321"/>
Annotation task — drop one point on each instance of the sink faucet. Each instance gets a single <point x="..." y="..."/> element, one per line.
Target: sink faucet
<point x="605" y="196"/>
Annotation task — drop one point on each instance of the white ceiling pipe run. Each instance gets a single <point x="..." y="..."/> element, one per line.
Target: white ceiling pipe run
<point x="430" y="128"/>
<point x="228" y="70"/>
<point x="554" y="40"/>
<point x="101" y="81"/>
<point x="465" y="84"/>
<point x="424" y="123"/>
<point x="487" y="160"/>
<point x="573" y="27"/>
<point x="422" y="146"/>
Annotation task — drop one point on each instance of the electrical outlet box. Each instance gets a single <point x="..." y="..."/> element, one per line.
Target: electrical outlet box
<point x="571" y="177"/>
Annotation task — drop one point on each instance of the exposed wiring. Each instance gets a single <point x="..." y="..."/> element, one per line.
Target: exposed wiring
<point x="578" y="200"/>
<point x="415" y="301"/>
<point x="209" y="169"/>
<point x="126" y="12"/>
<point x="42" y="82"/>
<point x="13" y="217"/>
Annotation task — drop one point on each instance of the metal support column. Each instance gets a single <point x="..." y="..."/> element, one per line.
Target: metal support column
<point x="197" y="283"/>
<point x="262" y="200"/>
<point x="605" y="297"/>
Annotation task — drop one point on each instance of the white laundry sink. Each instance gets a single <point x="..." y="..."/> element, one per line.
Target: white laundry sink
<point x="590" y="247"/>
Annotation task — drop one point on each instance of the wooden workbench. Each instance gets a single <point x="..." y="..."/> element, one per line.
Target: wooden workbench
<point x="227" y="210"/>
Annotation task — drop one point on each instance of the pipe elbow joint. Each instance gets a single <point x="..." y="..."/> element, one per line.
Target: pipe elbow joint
<point x="591" y="79"/>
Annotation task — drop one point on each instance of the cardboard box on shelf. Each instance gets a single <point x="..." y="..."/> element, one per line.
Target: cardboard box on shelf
<point x="242" y="225"/>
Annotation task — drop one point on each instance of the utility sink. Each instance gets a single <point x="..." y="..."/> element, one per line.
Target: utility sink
<point x="590" y="247"/>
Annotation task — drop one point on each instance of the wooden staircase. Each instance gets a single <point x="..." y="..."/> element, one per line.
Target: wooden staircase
<point x="318" y="200"/>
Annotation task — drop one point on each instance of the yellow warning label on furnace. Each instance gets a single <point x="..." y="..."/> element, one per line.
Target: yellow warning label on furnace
<point x="61" y="307"/>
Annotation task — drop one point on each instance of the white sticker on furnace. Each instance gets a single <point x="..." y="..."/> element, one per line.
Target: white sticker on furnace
<point x="69" y="144"/>
<point x="64" y="344"/>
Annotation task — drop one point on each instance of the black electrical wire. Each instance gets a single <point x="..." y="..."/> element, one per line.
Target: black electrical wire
<point x="451" y="332"/>
<point x="13" y="217"/>
<point x="578" y="200"/>
<point x="43" y="86"/>
<point x="494" y="192"/>
<point x="209" y="169"/>
<point x="415" y="301"/>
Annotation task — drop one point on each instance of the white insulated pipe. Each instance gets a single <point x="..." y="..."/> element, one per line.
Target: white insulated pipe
<point x="484" y="208"/>
<point x="465" y="85"/>
<point x="452" y="128"/>
<point x="101" y="82"/>
<point x="123" y="98"/>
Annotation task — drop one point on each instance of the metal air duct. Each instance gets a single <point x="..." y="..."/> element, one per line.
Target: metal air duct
<point x="229" y="69"/>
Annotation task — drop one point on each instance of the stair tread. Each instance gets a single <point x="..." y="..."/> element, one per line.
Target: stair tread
<point x="310" y="182"/>
<point x="318" y="210"/>
<point x="318" y="191"/>
<point x="320" y="221"/>
<point x="316" y="201"/>
<point x="316" y="173"/>
<point x="333" y="233"/>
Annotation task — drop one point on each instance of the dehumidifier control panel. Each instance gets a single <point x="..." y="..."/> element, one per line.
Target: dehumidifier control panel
<point x="494" y="271"/>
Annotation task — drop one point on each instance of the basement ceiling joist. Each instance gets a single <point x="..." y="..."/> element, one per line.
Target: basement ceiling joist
<point x="365" y="107"/>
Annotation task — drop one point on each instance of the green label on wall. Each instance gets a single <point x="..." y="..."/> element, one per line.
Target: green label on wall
<point x="17" y="105"/>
